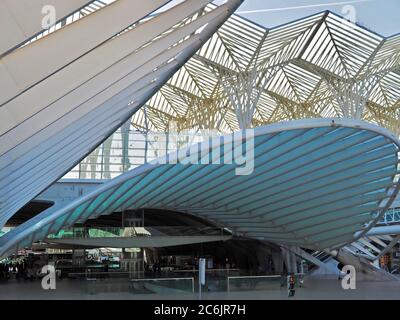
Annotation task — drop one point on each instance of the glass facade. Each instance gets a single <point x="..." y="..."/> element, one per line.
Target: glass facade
<point x="127" y="149"/>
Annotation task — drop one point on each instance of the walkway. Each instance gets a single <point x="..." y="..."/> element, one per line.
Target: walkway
<point x="316" y="289"/>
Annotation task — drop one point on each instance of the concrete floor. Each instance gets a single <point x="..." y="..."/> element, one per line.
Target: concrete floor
<point x="315" y="289"/>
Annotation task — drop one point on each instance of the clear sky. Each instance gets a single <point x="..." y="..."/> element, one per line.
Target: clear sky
<point x="381" y="16"/>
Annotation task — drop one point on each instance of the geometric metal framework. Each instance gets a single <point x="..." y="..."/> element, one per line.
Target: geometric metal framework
<point x="207" y="93"/>
<point x="380" y="239"/>
<point x="247" y="76"/>
<point x="316" y="183"/>
<point x="373" y="247"/>
<point x="64" y="92"/>
<point x="376" y="243"/>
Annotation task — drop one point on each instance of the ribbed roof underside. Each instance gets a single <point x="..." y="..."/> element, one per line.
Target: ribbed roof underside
<point x="314" y="183"/>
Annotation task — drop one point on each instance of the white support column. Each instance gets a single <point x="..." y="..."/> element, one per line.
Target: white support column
<point x="352" y="95"/>
<point x="125" y="129"/>
<point x="244" y="89"/>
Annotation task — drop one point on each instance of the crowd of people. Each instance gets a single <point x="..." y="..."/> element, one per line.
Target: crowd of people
<point x="5" y="271"/>
<point x="22" y="270"/>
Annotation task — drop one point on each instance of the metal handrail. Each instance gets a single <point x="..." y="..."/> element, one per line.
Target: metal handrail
<point x="164" y="279"/>
<point x="83" y="232"/>
<point x="297" y="275"/>
<point x="391" y="216"/>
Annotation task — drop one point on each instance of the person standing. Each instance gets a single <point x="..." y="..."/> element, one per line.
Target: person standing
<point x="291" y="285"/>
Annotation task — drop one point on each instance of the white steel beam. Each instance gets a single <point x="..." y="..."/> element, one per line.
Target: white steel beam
<point x="102" y="104"/>
<point x="25" y="67"/>
<point x="22" y="19"/>
<point x="91" y="74"/>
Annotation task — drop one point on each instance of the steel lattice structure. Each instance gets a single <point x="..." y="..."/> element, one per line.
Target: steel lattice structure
<point x="247" y="76"/>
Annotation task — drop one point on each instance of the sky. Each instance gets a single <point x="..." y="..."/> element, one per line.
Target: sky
<point x="381" y="16"/>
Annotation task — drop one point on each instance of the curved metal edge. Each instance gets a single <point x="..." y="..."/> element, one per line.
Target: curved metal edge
<point x="259" y="131"/>
<point x="269" y="129"/>
<point x="338" y="122"/>
<point x="388" y="134"/>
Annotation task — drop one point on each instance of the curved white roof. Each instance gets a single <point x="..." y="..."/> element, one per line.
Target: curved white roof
<point x="65" y="93"/>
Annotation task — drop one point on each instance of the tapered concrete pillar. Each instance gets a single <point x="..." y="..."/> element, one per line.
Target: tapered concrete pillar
<point x="286" y="259"/>
<point x="290" y="259"/>
<point x="277" y="260"/>
<point x="293" y="263"/>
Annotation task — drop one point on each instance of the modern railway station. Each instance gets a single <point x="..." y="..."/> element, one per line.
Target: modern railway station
<point x="177" y="149"/>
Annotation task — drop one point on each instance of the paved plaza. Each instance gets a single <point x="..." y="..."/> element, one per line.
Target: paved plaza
<point x="315" y="289"/>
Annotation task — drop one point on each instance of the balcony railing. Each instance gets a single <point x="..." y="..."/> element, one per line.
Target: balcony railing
<point x="126" y="150"/>
<point x="110" y="232"/>
<point x="392" y="216"/>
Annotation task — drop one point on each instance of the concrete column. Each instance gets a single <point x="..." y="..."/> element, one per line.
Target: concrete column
<point x="293" y="260"/>
<point x="277" y="260"/>
<point x="286" y="259"/>
<point x="290" y="259"/>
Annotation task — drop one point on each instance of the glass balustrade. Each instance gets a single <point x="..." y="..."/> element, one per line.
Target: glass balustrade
<point x="125" y="150"/>
<point x="109" y="232"/>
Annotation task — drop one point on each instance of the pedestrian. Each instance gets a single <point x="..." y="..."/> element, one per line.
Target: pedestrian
<point x="290" y="285"/>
